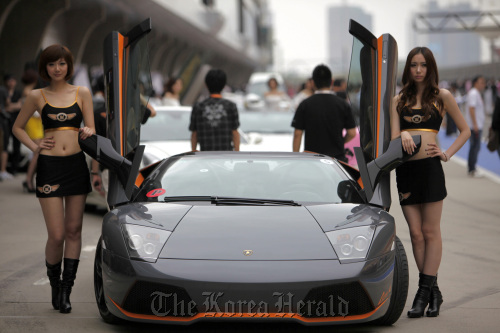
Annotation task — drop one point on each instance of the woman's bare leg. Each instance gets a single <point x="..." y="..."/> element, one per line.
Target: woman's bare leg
<point x="431" y="229"/>
<point x="75" y="206"/>
<point x="413" y="216"/>
<point x="53" y="213"/>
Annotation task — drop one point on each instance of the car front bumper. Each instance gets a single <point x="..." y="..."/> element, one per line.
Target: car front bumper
<point x="312" y="292"/>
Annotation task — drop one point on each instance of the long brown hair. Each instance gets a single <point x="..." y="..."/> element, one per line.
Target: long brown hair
<point x="430" y="95"/>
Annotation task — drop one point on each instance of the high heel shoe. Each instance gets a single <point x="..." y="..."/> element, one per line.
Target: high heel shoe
<point x="435" y="301"/>
<point x="27" y="189"/>
<point x="425" y="284"/>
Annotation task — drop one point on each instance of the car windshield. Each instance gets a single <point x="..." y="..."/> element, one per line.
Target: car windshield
<point x="167" y="125"/>
<point x="247" y="176"/>
<point x="266" y="122"/>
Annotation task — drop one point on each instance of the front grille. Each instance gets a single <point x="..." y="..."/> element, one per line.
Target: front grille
<point x="160" y="300"/>
<point x="346" y="299"/>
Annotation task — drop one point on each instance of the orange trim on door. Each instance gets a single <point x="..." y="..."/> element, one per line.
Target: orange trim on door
<point x="120" y="84"/>
<point x="139" y="180"/>
<point x="379" y="89"/>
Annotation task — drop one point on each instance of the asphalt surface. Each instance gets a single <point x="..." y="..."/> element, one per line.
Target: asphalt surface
<point x="468" y="276"/>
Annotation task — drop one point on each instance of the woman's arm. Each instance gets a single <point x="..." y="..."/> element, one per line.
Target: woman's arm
<point x="406" y="140"/>
<point x="27" y="110"/>
<point x="395" y="126"/>
<point x="88" y="113"/>
<point x="451" y="107"/>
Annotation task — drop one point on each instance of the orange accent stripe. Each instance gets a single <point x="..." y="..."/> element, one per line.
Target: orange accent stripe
<point x="62" y="129"/>
<point x="379" y="90"/>
<point x="419" y="129"/>
<point x="247" y="315"/>
<point x="120" y="84"/>
<point x="139" y="180"/>
<point x="216" y="95"/>
<point x="360" y="182"/>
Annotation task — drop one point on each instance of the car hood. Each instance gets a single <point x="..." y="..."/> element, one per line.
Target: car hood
<point x="210" y="232"/>
<point x="269" y="232"/>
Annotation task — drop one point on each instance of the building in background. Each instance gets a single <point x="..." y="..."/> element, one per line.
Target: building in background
<point x="340" y="44"/>
<point x="453" y="49"/>
<point x="188" y="36"/>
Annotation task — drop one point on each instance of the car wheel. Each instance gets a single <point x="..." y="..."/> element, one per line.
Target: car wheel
<point x="99" y="290"/>
<point x="399" y="287"/>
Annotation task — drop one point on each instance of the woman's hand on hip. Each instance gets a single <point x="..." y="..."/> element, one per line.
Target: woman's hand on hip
<point x="433" y="150"/>
<point x="46" y="143"/>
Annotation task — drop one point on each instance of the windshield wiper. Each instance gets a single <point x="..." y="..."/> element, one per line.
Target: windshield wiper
<point x="188" y="198"/>
<point x="251" y="201"/>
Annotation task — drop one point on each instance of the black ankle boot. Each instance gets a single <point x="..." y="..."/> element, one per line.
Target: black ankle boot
<point x="425" y="284"/>
<point x="68" y="279"/>
<point x="435" y="301"/>
<point x="54" y="274"/>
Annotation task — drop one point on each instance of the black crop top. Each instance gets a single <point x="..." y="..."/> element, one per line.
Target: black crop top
<point x="414" y="120"/>
<point x="56" y="118"/>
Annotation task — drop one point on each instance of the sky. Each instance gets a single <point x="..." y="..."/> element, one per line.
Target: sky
<point x="300" y="27"/>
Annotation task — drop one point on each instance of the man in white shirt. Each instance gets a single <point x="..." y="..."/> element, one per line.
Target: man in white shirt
<point x="475" y="119"/>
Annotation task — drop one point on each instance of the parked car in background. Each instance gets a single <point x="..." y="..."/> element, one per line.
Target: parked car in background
<point x="268" y="130"/>
<point x="257" y="87"/>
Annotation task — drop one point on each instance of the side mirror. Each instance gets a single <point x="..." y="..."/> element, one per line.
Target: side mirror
<point x="348" y="193"/>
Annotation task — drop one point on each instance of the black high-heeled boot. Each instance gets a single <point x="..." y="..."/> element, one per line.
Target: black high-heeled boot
<point x="68" y="280"/>
<point x="425" y="284"/>
<point x="54" y="274"/>
<point x="435" y="301"/>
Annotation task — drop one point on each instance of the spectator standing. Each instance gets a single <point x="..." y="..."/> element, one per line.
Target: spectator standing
<point x="495" y="124"/>
<point x="451" y="127"/>
<point x="173" y="89"/>
<point x="214" y="121"/>
<point x="3" y="101"/>
<point x="307" y="89"/>
<point x="340" y="88"/>
<point x="274" y="98"/>
<point x="323" y="117"/>
<point x="475" y="118"/>
<point x="11" y="111"/>
<point x="34" y="127"/>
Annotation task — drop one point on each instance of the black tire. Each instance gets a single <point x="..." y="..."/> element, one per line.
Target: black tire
<point x="400" y="282"/>
<point x="98" y="288"/>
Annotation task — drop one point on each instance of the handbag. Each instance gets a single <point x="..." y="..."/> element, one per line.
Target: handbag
<point x="493" y="140"/>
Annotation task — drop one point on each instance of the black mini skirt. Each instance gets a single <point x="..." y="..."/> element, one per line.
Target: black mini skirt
<point x="421" y="181"/>
<point x="60" y="176"/>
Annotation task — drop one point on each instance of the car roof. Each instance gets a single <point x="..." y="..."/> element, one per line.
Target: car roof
<point x="240" y="154"/>
<point x="180" y="108"/>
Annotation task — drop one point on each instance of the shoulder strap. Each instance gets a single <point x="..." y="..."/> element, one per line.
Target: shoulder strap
<point x="76" y="98"/>
<point x="41" y="90"/>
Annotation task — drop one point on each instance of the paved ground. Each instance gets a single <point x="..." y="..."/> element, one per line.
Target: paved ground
<point x="468" y="276"/>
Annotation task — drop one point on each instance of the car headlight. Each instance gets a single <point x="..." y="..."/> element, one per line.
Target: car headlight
<point x="352" y="243"/>
<point x="144" y="243"/>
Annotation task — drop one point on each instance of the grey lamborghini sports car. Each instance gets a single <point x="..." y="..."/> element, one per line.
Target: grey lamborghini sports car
<point x="254" y="235"/>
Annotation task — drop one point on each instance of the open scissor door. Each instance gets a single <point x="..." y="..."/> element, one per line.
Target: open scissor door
<point x="372" y="79"/>
<point x="128" y="86"/>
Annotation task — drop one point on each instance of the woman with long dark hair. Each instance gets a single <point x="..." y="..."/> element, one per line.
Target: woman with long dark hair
<point x="419" y="109"/>
<point x="62" y="178"/>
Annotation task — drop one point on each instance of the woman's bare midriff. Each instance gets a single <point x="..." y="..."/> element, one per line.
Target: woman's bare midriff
<point x="65" y="143"/>
<point x="427" y="137"/>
